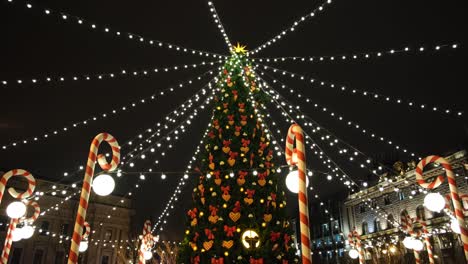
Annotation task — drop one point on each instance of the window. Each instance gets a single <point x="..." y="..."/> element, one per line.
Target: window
<point x="362" y="208"/>
<point x="44" y="227"/>
<point x="108" y="235"/>
<point x="390" y="221"/>
<point x="38" y="254"/>
<point x="59" y="257"/>
<point x="105" y="260"/>
<point x="16" y="256"/>
<point x="325" y="230"/>
<point x="365" y="228"/>
<point x="64" y="229"/>
<point x="387" y="200"/>
<point x="401" y="195"/>
<point x="421" y="212"/>
<point x="377" y="226"/>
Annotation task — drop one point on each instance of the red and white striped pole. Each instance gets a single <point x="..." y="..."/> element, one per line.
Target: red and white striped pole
<point x="458" y="208"/>
<point x="427" y="240"/>
<point x="86" y="189"/>
<point x="355" y="241"/>
<point x="147" y="242"/>
<point x="14" y="221"/>
<point x="296" y="135"/>
<point x="407" y="225"/>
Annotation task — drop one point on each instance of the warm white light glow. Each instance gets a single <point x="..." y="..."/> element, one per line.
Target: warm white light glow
<point x="408" y="242"/>
<point x="418" y="245"/>
<point x="103" y="185"/>
<point x="455" y="226"/>
<point x="16" y="210"/>
<point x="16" y="235"/>
<point x="292" y="181"/>
<point x="27" y="232"/>
<point x="353" y="253"/>
<point x="250" y="234"/>
<point x="147" y="254"/>
<point x="434" y="202"/>
<point x="83" y="246"/>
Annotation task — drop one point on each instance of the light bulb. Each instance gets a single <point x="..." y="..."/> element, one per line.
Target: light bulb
<point x="16" y="210"/>
<point x="353" y="253"/>
<point x="147" y="254"/>
<point x="418" y="245"/>
<point x="27" y="232"/>
<point x="103" y="184"/>
<point x="16" y="235"/>
<point x="83" y="246"/>
<point x="434" y="202"/>
<point x="292" y="181"/>
<point x="408" y="242"/>
<point x="455" y="226"/>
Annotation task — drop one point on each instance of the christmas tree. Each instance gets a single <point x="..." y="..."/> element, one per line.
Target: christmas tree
<point x="238" y="213"/>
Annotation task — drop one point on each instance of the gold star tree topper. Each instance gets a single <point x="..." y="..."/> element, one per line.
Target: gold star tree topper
<point x="240" y="49"/>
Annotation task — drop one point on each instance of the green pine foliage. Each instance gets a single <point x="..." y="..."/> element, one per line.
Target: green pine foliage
<point x="238" y="188"/>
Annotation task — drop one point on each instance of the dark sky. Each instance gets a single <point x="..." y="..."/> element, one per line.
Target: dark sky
<point x="33" y="45"/>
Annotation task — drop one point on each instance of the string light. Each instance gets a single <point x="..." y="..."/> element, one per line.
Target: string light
<point x="107" y="75"/>
<point x="103" y="115"/>
<point x="340" y="117"/>
<point x="359" y="55"/>
<point x="292" y="28"/>
<point x="107" y="30"/>
<point x="367" y="94"/>
<point x="220" y="26"/>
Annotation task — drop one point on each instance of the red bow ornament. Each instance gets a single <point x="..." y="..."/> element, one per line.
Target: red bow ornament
<point x="225" y="189"/>
<point x="196" y="260"/>
<point x="217" y="261"/>
<point x="193" y="213"/>
<point x="209" y="234"/>
<point x="274" y="236"/>
<point x="229" y="230"/>
<point x="256" y="261"/>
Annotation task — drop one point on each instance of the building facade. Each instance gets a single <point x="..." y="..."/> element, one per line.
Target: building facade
<point x="328" y="241"/>
<point x="109" y="219"/>
<point x="380" y="232"/>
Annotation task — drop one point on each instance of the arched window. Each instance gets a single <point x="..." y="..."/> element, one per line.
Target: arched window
<point x="421" y="212"/>
<point x="365" y="228"/>
<point x="390" y="221"/>
<point x="377" y="226"/>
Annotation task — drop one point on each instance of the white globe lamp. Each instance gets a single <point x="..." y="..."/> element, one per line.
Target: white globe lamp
<point x="27" y="232"/>
<point x="418" y="245"/>
<point x="292" y="181"/>
<point x="16" y="210"/>
<point x="103" y="185"/>
<point x="455" y="226"/>
<point x="408" y="242"/>
<point x="353" y="253"/>
<point x="16" y="235"/>
<point x="434" y="202"/>
<point x="83" y="246"/>
<point x="147" y="254"/>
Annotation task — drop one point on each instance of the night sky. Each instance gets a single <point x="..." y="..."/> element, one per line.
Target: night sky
<point x="36" y="46"/>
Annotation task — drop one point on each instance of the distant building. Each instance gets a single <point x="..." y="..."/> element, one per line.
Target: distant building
<point x="109" y="218"/>
<point x="328" y="241"/>
<point x="395" y="193"/>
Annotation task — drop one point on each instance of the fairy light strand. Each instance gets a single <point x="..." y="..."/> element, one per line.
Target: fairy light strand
<point x="319" y="9"/>
<point x="363" y="56"/>
<point x="158" y="94"/>
<point x="93" y="27"/>
<point x="106" y="75"/>
<point x="219" y="25"/>
<point x="367" y="94"/>
<point x="341" y="118"/>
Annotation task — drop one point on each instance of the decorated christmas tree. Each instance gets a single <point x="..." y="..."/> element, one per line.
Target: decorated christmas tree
<point x="238" y="213"/>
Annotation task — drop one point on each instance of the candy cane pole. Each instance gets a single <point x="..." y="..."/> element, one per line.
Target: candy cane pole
<point x="458" y="208"/>
<point x="355" y="241"/>
<point x="295" y="134"/>
<point x="407" y="225"/>
<point x="12" y="227"/>
<point x="87" y="231"/>
<point x="146" y="241"/>
<point x="427" y="240"/>
<point x="14" y="194"/>
<point x="85" y="190"/>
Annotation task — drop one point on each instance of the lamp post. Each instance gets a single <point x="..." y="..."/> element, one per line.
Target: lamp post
<point x="458" y="208"/>
<point x="15" y="209"/>
<point x="86" y="189"/>
<point x="355" y="242"/>
<point x="296" y="156"/>
<point x="147" y="243"/>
